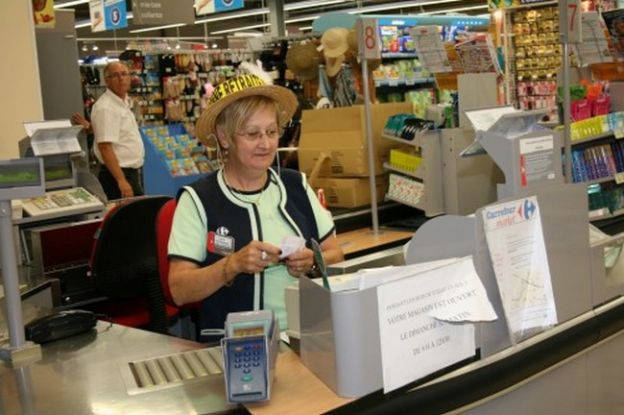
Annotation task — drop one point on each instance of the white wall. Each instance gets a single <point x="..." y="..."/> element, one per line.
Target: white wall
<point x="20" y="91"/>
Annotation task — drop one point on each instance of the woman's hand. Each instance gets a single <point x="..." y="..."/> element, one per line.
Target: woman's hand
<point x="300" y="262"/>
<point x="255" y="257"/>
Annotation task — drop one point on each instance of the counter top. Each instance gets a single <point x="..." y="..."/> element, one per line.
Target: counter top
<point x="89" y="374"/>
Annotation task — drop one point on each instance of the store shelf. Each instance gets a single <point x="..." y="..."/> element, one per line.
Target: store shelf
<point x="604" y="213"/>
<point x="390" y="55"/>
<point x="401" y="140"/>
<point x="403" y="82"/>
<point x="593" y="138"/>
<point x="420" y="206"/>
<point x="417" y="174"/>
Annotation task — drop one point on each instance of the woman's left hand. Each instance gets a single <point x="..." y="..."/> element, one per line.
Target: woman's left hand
<point x="300" y="262"/>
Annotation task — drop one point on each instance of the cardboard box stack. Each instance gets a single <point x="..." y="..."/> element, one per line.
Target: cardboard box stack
<point x="334" y="141"/>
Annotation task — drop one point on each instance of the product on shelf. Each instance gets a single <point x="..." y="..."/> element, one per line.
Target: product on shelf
<point x="406" y="126"/>
<point x="534" y="57"/>
<point x="180" y="152"/>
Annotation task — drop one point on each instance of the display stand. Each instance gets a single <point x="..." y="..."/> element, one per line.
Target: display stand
<point x="157" y="177"/>
<point x="20" y="179"/>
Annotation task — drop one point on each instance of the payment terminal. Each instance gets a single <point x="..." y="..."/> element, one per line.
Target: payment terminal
<point x="250" y="349"/>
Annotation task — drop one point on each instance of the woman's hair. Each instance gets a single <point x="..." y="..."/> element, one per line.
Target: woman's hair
<point x="234" y="117"/>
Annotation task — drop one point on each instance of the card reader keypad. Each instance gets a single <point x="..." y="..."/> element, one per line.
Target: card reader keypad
<point x="247" y="368"/>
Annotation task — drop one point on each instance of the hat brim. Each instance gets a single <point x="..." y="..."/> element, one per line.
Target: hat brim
<point x="285" y="98"/>
<point x="334" y="53"/>
<point x="334" y="66"/>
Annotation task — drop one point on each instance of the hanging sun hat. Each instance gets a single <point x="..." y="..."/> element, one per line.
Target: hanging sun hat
<point x="303" y="60"/>
<point x="239" y="87"/>
<point x="334" y="42"/>
<point x="333" y="65"/>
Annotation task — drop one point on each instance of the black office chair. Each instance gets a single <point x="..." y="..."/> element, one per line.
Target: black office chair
<point x="124" y="266"/>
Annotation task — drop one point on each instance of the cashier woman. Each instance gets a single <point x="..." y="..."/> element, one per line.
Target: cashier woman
<point x="228" y="228"/>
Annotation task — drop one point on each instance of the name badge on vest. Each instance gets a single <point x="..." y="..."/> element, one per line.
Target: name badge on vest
<point x="220" y="242"/>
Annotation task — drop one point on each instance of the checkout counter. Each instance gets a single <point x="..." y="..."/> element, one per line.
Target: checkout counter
<point x="573" y="367"/>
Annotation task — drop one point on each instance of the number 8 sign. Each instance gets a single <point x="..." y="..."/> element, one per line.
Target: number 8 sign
<point x="368" y="38"/>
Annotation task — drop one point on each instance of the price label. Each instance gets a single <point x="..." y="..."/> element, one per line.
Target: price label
<point x="393" y="83"/>
<point x="619" y="178"/>
<point x="570" y="20"/>
<point x="368" y="38"/>
<point x="618" y="133"/>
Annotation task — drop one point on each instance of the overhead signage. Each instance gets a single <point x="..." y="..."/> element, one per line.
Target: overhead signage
<point x="108" y="15"/>
<point x="43" y="13"/>
<point x="368" y="38"/>
<point x="203" y="7"/>
<point x="162" y="11"/>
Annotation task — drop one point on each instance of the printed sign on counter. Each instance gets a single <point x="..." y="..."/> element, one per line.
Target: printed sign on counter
<point x="418" y="321"/>
<point x="515" y="240"/>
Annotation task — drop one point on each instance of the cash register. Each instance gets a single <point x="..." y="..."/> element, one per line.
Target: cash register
<point x="63" y="197"/>
<point x="57" y="145"/>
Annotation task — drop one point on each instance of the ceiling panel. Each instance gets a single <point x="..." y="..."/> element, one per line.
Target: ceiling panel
<point x="301" y="15"/>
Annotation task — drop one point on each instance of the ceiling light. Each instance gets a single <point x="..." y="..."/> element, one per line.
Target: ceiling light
<point x="214" y="46"/>
<point x="148" y="29"/>
<point x="399" y="5"/>
<point x="248" y="34"/>
<point x="84" y="47"/>
<point x="229" y="16"/>
<point x="95" y="47"/>
<point x="236" y="29"/>
<point x="310" y="4"/>
<point x="302" y="19"/>
<point x="70" y="3"/>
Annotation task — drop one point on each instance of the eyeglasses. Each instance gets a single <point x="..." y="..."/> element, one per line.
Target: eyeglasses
<point x="255" y="135"/>
<point x="118" y="75"/>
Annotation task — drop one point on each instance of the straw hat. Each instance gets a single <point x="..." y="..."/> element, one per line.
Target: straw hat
<point x="333" y="65"/>
<point x="303" y="59"/>
<point x="334" y="42"/>
<point x="239" y="87"/>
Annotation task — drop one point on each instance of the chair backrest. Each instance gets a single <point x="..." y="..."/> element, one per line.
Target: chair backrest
<point x="124" y="253"/>
<point x="164" y="220"/>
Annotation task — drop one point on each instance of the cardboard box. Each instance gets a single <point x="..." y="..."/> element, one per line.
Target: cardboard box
<point x="339" y="134"/>
<point x="350" y="191"/>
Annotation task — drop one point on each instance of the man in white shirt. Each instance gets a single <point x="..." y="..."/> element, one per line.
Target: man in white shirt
<point x="118" y="145"/>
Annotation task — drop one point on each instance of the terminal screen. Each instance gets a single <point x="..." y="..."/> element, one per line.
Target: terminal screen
<point x="19" y="175"/>
<point x="58" y="171"/>
<point x="248" y="331"/>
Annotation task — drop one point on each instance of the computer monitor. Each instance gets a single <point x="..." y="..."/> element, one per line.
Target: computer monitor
<point x="59" y="171"/>
<point x="20" y="178"/>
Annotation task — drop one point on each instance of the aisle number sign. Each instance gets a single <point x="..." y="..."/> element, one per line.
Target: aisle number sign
<point x="216" y="6"/>
<point x="570" y="21"/>
<point x="107" y="15"/>
<point x="368" y="38"/>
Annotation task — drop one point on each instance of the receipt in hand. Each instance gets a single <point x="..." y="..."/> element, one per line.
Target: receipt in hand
<point x="290" y="245"/>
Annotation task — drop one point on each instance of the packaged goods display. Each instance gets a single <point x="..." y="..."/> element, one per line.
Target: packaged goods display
<point x="182" y="154"/>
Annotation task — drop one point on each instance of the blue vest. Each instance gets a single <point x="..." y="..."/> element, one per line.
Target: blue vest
<point x="294" y="207"/>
